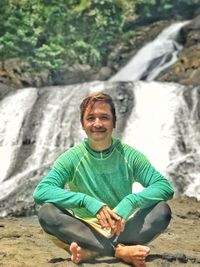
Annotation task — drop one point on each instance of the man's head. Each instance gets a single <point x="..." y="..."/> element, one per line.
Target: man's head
<point x="93" y="98"/>
<point x="98" y="120"/>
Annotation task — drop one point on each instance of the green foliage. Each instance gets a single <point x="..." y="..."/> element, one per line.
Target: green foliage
<point x="162" y="9"/>
<point x="128" y="7"/>
<point x="49" y="32"/>
<point x="154" y="8"/>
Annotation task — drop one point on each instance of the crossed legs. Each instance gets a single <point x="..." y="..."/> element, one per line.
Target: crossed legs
<point x="86" y="243"/>
<point x="143" y="227"/>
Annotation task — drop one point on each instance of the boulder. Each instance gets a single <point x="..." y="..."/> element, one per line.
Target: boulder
<point x="18" y="73"/>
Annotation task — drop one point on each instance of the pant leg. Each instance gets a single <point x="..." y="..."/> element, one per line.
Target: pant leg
<point x="68" y="229"/>
<point x="146" y="224"/>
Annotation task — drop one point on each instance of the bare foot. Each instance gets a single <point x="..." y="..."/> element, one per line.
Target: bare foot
<point x="75" y="252"/>
<point x="79" y="254"/>
<point x="135" y="255"/>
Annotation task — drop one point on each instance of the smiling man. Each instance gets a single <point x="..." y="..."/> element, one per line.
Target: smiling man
<point x="98" y="124"/>
<point x="99" y="214"/>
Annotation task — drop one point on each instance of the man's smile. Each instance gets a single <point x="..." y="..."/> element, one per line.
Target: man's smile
<point x="102" y="130"/>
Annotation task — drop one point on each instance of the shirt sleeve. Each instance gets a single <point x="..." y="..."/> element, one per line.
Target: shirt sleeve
<point x="52" y="189"/>
<point x="156" y="187"/>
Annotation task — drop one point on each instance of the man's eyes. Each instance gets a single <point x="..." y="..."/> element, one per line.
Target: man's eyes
<point x="105" y="118"/>
<point x="101" y="118"/>
<point x="90" y="118"/>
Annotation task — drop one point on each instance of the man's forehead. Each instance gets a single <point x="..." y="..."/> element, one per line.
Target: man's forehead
<point x="97" y="106"/>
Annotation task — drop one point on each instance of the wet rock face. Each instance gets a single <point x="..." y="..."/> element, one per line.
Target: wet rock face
<point x="19" y="74"/>
<point x="181" y="169"/>
<point x="191" y="33"/>
<point x="186" y="70"/>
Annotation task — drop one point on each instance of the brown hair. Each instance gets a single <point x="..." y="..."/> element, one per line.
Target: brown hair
<point x="96" y="97"/>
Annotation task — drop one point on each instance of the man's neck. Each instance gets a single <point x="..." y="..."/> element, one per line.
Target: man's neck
<point x="100" y="146"/>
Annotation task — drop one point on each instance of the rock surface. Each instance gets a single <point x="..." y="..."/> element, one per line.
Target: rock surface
<point x="22" y="242"/>
<point x="186" y="70"/>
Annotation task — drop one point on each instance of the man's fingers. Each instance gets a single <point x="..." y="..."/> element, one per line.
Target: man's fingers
<point x="111" y="216"/>
<point x="122" y="224"/>
<point x="104" y="218"/>
<point x="119" y="226"/>
<point x="110" y="220"/>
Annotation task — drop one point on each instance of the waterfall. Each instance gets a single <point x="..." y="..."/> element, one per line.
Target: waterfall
<point x="37" y="125"/>
<point x="165" y="126"/>
<point x="162" y="120"/>
<point x="154" y="57"/>
<point x="151" y="127"/>
<point x="12" y="120"/>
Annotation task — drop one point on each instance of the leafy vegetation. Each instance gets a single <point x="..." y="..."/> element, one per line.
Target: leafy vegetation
<point x="164" y="9"/>
<point x="49" y="33"/>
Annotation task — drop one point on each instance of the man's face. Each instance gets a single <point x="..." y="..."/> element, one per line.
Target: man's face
<point x="98" y="122"/>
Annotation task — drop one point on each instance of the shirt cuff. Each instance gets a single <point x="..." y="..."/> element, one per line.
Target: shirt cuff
<point x="125" y="208"/>
<point x="92" y="204"/>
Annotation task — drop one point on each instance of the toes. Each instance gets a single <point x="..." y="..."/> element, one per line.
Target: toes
<point x="147" y="249"/>
<point x="73" y="247"/>
<point x="144" y="249"/>
<point x="75" y="252"/>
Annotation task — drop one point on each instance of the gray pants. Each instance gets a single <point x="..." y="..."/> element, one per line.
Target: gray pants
<point x="144" y="226"/>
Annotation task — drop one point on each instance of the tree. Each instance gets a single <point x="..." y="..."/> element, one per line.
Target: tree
<point x="49" y="33"/>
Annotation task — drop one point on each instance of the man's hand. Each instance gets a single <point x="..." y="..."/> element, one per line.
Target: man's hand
<point x="119" y="226"/>
<point x="110" y="220"/>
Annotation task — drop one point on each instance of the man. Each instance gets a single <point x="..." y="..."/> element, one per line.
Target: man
<point x="98" y="214"/>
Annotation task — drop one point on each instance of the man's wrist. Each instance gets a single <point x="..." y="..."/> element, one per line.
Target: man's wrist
<point x="92" y="205"/>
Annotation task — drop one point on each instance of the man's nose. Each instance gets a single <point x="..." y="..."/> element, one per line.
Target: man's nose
<point x="97" y="123"/>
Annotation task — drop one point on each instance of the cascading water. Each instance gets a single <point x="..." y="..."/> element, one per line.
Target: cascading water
<point x="165" y="126"/>
<point x="161" y="120"/>
<point x="153" y="57"/>
<point x="150" y="127"/>
<point x="11" y="127"/>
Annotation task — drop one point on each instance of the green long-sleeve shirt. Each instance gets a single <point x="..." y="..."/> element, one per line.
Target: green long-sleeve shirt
<point x="98" y="178"/>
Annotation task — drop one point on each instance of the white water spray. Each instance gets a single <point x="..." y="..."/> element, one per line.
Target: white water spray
<point x="150" y="127"/>
<point x="165" y="46"/>
<point x="14" y="109"/>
